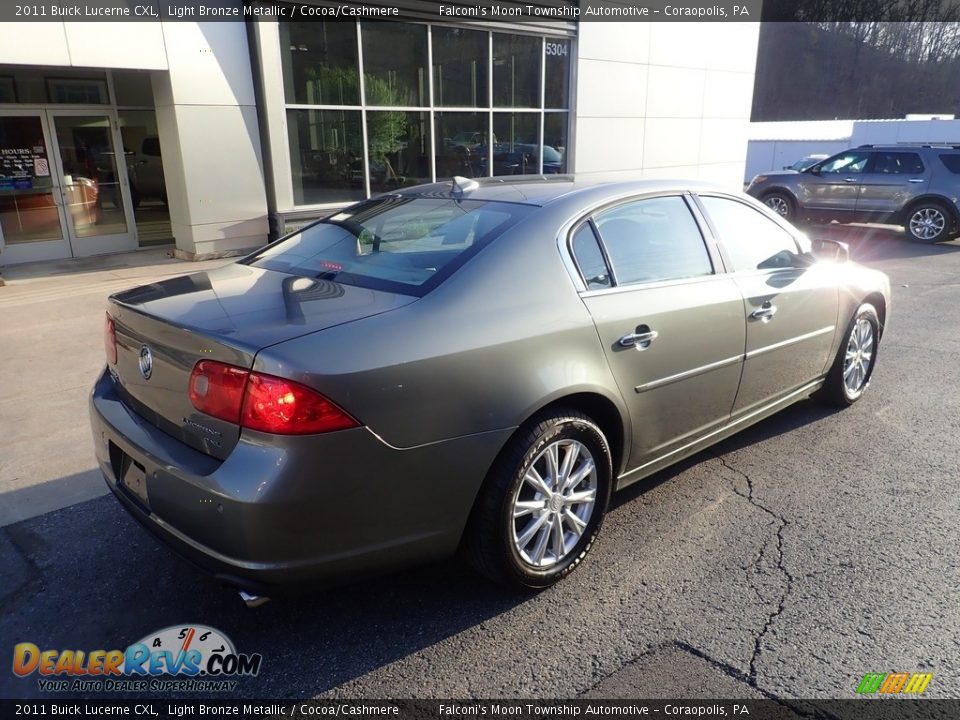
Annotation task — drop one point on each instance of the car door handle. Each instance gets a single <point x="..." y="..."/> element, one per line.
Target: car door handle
<point x="639" y="340"/>
<point x="765" y="312"/>
<point x="915" y="180"/>
<point x="850" y="180"/>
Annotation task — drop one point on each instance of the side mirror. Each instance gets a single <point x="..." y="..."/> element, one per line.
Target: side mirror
<point x="827" y="249"/>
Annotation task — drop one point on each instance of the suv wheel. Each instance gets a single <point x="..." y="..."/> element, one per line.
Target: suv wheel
<point x="780" y="203"/>
<point x="928" y="222"/>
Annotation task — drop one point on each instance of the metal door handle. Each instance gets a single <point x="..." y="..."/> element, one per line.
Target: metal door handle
<point x="641" y="341"/>
<point x="915" y="180"/>
<point x="850" y="179"/>
<point x="764" y="313"/>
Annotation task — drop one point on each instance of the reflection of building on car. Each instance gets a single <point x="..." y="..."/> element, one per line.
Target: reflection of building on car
<point x="806" y="161"/>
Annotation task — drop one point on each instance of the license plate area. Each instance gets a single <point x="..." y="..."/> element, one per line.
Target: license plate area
<point x="131" y="475"/>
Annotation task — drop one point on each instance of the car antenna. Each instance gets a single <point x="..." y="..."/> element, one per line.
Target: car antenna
<point x="462" y="185"/>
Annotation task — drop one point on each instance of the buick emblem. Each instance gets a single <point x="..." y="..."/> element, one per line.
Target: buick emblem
<point x="146" y="362"/>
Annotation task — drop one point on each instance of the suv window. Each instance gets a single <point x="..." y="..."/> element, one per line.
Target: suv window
<point x="896" y="163"/>
<point x="850" y="162"/>
<point x="754" y="241"/>
<point x="652" y="240"/>
<point x="589" y="257"/>
<point x="951" y="162"/>
<point x="398" y="244"/>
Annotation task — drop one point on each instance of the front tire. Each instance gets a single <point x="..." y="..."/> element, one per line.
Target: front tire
<point x="781" y="204"/>
<point x="856" y="358"/>
<point x="929" y="222"/>
<point x="542" y="504"/>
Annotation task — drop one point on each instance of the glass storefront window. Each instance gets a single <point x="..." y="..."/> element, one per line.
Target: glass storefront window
<point x="395" y="64"/>
<point x="555" y="142"/>
<point x="516" y="149"/>
<point x="415" y="118"/>
<point x="326" y="155"/>
<point x="556" y="92"/>
<point x="516" y="70"/>
<point x="320" y="63"/>
<point x="460" y="59"/>
<point x="28" y="209"/>
<point x="398" y="149"/>
<point x="462" y="143"/>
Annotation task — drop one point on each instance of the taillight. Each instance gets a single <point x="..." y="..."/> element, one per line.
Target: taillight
<point x="217" y="389"/>
<point x="110" y="339"/>
<point x="263" y="402"/>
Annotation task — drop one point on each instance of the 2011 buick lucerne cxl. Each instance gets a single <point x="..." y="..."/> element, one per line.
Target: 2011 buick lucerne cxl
<point x="470" y="365"/>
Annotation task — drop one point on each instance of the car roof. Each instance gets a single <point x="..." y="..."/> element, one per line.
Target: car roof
<point x="540" y="190"/>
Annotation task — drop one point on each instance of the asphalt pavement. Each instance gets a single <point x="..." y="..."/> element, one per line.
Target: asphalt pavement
<point x="785" y="562"/>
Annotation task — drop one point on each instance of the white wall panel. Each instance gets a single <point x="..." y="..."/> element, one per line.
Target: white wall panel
<point x="135" y="45"/>
<point x="727" y="94"/>
<point x="609" y="144"/>
<point x="671" y="142"/>
<point x="209" y="63"/>
<point x="615" y="41"/>
<point x="34" y="43"/>
<point x="675" y="92"/>
<point x="612" y="89"/>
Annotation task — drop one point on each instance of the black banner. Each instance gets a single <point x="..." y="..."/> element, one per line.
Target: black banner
<point x="485" y="10"/>
<point x="857" y="709"/>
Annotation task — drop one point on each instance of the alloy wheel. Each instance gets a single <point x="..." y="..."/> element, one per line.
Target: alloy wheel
<point x="927" y="223"/>
<point x="553" y="505"/>
<point x="779" y="205"/>
<point x="859" y="356"/>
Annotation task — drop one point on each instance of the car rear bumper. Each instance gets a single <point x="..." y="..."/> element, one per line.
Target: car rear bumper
<point x="283" y="511"/>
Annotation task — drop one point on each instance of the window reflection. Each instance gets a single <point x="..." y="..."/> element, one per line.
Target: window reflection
<point x="555" y="142"/>
<point x="556" y="73"/>
<point x="516" y="70"/>
<point x="394" y="64"/>
<point x="326" y="155"/>
<point x="398" y="149"/>
<point x="462" y="143"/>
<point x="320" y="63"/>
<point x="516" y="149"/>
<point x="460" y="67"/>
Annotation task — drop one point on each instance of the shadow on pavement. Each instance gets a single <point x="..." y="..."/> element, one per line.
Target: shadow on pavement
<point x="88" y="577"/>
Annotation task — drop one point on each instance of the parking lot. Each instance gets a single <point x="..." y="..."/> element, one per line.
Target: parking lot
<point x="786" y="562"/>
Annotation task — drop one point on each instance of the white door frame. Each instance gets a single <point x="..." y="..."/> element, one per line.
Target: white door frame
<point x="40" y="249"/>
<point x="98" y="244"/>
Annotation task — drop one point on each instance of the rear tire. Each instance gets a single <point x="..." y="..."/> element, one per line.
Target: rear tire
<point x="542" y="504"/>
<point x="929" y="222"/>
<point x="781" y="204"/>
<point x="855" y="361"/>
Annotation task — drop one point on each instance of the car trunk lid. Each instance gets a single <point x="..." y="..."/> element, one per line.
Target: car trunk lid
<point x="226" y="315"/>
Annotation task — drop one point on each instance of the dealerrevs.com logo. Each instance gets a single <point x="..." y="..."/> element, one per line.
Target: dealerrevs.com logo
<point x="177" y="658"/>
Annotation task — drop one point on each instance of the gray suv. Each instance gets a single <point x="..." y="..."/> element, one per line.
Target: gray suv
<point x="916" y="186"/>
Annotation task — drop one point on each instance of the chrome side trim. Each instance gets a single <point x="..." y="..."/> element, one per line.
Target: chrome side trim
<point x="785" y="400"/>
<point x="688" y="373"/>
<point x="791" y="341"/>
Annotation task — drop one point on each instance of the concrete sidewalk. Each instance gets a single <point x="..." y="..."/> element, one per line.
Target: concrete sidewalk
<point x="51" y="350"/>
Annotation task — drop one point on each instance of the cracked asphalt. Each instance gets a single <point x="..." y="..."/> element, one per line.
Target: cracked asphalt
<point x="784" y="563"/>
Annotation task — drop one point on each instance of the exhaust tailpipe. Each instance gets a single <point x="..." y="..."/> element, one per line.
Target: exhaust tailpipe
<point x="253" y="601"/>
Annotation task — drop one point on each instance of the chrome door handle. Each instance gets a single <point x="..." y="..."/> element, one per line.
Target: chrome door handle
<point x="641" y="341"/>
<point x="764" y="313"/>
<point x="850" y="179"/>
<point x="915" y="180"/>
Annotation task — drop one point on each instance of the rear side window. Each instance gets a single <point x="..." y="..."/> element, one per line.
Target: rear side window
<point x="398" y="244"/>
<point x="896" y="163"/>
<point x="951" y="162"/>
<point x="652" y="240"/>
<point x="754" y="241"/>
<point x="589" y="257"/>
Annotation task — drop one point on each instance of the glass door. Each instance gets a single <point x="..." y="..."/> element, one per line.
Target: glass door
<point x="32" y="216"/>
<point x="93" y="177"/>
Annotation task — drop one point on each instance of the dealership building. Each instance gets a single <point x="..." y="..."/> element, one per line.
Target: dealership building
<point x="214" y="136"/>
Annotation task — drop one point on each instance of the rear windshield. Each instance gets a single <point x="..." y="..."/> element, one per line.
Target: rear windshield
<point x="952" y="162"/>
<point x="398" y="244"/>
